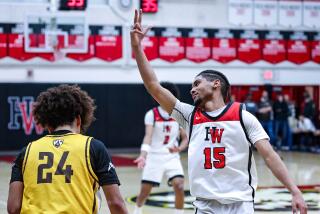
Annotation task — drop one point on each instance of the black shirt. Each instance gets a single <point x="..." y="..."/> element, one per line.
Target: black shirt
<point x="281" y="110"/>
<point x="99" y="158"/>
<point x="265" y="117"/>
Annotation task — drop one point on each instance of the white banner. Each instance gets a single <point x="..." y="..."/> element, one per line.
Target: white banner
<point x="266" y="12"/>
<point x="241" y="12"/>
<point x="290" y="13"/>
<point x="311" y="13"/>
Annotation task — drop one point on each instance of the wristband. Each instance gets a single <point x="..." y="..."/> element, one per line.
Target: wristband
<point x="145" y="147"/>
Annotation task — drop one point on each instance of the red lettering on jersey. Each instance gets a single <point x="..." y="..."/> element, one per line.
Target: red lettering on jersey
<point x="166" y="139"/>
<point x="167" y="129"/>
<point x="216" y="134"/>
<point x="218" y="155"/>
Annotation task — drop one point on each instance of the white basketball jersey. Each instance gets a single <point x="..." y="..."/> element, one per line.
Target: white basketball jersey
<point x="165" y="133"/>
<point x="220" y="163"/>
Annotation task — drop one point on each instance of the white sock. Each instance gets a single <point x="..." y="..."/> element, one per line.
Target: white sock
<point x="178" y="211"/>
<point x="137" y="210"/>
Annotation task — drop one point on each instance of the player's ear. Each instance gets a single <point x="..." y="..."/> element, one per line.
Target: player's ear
<point x="78" y="120"/>
<point x="215" y="83"/>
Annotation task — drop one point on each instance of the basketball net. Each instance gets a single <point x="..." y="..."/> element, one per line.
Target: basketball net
<point x="58" y="52"/>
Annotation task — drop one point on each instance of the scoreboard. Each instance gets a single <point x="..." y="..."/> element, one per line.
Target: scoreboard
<point x="73" y="4"/>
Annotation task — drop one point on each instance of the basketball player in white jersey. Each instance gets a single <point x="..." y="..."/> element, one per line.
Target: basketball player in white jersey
<point x="220" y="163"/>
<point x="160" y="154"/>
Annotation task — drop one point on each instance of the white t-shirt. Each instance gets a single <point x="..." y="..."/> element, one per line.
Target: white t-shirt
<point x="220" y="162"/>
<point x="149" y="117"/>
<point x="166" y="131"/>
<point x="182" y="114"/>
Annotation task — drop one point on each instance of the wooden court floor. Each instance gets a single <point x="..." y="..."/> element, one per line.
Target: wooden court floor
<point x="303" y="167"/>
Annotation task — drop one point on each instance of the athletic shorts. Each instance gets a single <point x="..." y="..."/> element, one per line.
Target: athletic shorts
<point x="214" y="207"/>
<point x="158" y="165"/>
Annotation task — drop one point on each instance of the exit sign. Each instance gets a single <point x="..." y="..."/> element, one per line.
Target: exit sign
<point x="149" y="6"/>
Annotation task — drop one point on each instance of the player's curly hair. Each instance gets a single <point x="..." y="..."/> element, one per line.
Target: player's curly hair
<point x="61" y="105"/>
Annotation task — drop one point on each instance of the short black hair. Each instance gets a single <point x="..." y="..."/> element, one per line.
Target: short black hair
<point x="212" y="75"/>
<point x="61" y="105"/>
<point x="172" y="88"/>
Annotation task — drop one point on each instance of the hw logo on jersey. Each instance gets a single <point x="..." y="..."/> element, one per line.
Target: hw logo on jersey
<point x="166" y="128"/>
<point x="216" y="134"/>
<point x="21" y="113"/>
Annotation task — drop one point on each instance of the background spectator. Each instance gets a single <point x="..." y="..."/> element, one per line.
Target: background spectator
<point x="251" y="106"/>
<point x="309" y="107"/>
<point x="265" y="115"/>
<point x="281" y="113"/>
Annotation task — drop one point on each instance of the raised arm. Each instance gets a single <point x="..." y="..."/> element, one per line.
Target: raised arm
<point x="160" y="94"/>
<point x="278" y="168"/>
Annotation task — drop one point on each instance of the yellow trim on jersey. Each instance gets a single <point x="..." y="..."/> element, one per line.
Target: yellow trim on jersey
<point x="89" y="165"/>
<point x="25" y="158"/>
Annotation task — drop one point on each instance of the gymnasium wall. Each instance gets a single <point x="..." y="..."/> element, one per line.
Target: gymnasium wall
<point x="120" y="113"/>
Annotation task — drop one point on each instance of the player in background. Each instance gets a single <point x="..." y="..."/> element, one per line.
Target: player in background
<point x="160" y="154"/>
<point x="221" y="167"/>
<point x="62" y="171"/>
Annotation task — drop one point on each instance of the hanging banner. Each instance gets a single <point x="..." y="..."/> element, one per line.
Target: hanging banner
<point x="74" y="39"/>
<point x="198" y="46"/>
<point x="240" y="12"/>
<point x="150" y="44"/>
<point x="315" y="48"/>
<point x="290" y="13"/>
<point x="274" y="47"/>
<point x="16" y="44"/>
<point x="108" y="43"/>
<point x="298" y="48"/>
<point x="224" y="46"/>
<point x="249" y="47"/>
<point x="3" y="42"/>
<point x="171" y="45"/>
<point x="77" y="41"/>
<point x="311" y="13"/>
<point x="266" y="12"/>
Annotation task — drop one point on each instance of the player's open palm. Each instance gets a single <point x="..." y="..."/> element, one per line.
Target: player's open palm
<point x="298" y="204"/>
<point x="137" y="33"/>
<point x="140" y="161"/>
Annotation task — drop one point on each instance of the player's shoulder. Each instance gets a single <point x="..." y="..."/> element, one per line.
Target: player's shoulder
<point x="95" y="143"/>
<point x="150" y="111"/>
<point x="249" y="119"/>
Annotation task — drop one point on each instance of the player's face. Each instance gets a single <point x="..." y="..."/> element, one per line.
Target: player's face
<point x="201" y="90"/>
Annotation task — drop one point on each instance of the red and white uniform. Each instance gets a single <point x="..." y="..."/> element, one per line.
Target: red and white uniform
<point x="220" y="162"/>
<point x="165" y="130"/>
<point x="165" y="135"/>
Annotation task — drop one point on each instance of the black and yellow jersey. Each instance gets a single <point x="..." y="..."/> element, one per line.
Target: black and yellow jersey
<point x="62" y="172"/>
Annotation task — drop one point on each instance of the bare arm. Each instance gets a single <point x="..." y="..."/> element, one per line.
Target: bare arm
<point x="141" y="160"/>
<point x="114" y="199"/>
<point x="160" y="94"/>
<point x="278" y="168"/>
<point x="15" y="197"/>
<point x="184" y="140"/>
<point x="183" y="144"/>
